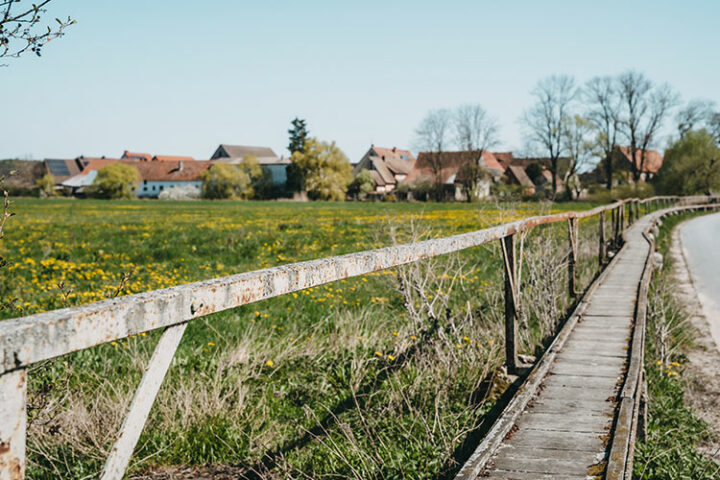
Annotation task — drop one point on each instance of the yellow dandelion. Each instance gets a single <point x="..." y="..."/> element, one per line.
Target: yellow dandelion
<point x="395" y="334"/>
<point x="114" y="344"/>
<point x="391" y="358"/>
<point x="379" y="354"/>
<point x="413" y="337"/>
<point x="269" y="363"/>
<point x="211" y="344"/>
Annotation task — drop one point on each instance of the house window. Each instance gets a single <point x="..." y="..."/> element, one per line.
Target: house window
<point x="161" y="187"/>
<point x="153" y="188"/>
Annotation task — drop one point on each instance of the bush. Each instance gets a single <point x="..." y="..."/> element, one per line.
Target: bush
<point x="361" y="185"/>
<point x="324" y="169"/>
<point x="691" y="166"/>
<point x="116" y="180"/>
<point x="228" y="181"/>
<point x="46" y="186"/>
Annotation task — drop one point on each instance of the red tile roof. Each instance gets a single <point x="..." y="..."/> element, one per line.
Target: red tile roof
<point x="172" y="158"/>
<point x="145" y="157"/>
<point x="450" y="162"/>
<point x="157" y="171"/>
<point x="172" y="171"/>
<point x="653" y="159"/>
<point x="396" y="153"/>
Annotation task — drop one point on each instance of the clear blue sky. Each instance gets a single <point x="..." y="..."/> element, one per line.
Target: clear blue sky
<point x="180" y="77"/>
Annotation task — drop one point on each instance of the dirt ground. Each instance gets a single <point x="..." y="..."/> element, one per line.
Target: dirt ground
<point x="702" y="372"/>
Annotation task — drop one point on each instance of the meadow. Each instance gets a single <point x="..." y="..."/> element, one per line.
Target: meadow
<point x="389" y="375"/>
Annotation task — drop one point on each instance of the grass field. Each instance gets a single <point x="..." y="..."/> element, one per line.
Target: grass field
<point x="370" y="377"/>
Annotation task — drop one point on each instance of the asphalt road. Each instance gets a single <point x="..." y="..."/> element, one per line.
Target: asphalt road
<point x="701" y="246"/>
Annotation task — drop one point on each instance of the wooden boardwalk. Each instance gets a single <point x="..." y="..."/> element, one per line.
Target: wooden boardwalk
<point x="564" y="430"/>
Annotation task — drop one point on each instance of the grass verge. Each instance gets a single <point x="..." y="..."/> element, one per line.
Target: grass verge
<point x="674" y="430"/>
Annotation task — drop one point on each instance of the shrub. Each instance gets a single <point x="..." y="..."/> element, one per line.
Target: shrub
<point x="116" y="180"/>
<point x="324" y="169"/>
<point x="46" y="186"/>
<point x="361" y="185"/>
<point x="228" y="181"/>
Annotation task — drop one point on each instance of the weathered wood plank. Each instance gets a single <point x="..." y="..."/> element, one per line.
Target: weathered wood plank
<point x="565" y="423"/>
<point x="13" y="423"/>
<point x="574" y="441"/>
<point x="132" y="427"/>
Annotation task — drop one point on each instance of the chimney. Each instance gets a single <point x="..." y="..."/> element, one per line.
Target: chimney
<point x="394" y="148"/>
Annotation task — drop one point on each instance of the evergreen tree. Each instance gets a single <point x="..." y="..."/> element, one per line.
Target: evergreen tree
<point x="298" y="136"/>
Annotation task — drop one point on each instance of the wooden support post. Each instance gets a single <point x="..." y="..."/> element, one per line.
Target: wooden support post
<point x="13" y="423"/>
<point x="601" y="242"/>
<point x="642" y="414"/>
<point x="142" y="402"/>
<point x="511" y="305"/>
<point x="572" y="255"/>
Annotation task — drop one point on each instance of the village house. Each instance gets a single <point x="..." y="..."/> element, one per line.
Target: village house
<point x="165" y="174"/>
<point x="388" y="167"/>
<point x="446" y="170"/>
<point x="274" y="166"/>
<point x="156" y="175"/>
<point x="622" y="163"/>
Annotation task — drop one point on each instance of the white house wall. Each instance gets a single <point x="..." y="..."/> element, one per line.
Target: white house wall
<point x="152" y="188"/>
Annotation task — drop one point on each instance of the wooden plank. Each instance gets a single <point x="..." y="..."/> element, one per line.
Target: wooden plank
<point x="13" y="424"/>
<point x="592" y="407"/>
<point x="142" y="402"/>
<point x="580" y="381"/>
<point x="568" y="394"/>
<point x="591" y="361"/>
<point x="546" y="466"/>
<point x="574" y="441"/>
<point x="510" y="475"/>
<point x="565" y="423"/>
<point x="611" y="372"/>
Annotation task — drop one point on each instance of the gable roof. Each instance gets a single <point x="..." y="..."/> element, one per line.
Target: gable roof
<point x="172" y="158"/>
<point x="518" y="173"/>
<point x="145" y="157"/>
<point x="168" y="171"/>
<point x="653" y="159"/>
<point x="225" y="150"/>
<point x="450" y="163"/>
<point x="261" y="160"/>
<point x="62" y="169"/>
<point x="155" y="171"/>
<point x="392" y="153"/>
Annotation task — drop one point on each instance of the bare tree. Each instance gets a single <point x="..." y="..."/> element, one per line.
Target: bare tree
<point x="579" y="145"/>
<point x="475" y="129"/>
<point x="645" y="108"/>
<point x="546" y="119"/>
<point x="602" y="97"/>
<point x="21" y="29"/>
<point x="432" y="138"/>
<point x="697" y="113"/>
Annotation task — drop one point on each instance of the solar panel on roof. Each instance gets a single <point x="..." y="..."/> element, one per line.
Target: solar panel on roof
<point x="58" y="167"/>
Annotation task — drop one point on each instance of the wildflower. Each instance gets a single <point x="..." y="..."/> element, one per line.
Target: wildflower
<point x="364" y="279"/>
<point x="390" y="357"/>
<point x="114" y="344"/>
<point x="413" y="337"/>
<point x="269" y="363"/>
<point x="459" y="345"/>
<point x="211" y="344"/>
<point x="467" y="339"/>
<point x="490" y="342"/>
<point x="379" y="354"/>
<point x="395" y="334"/>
